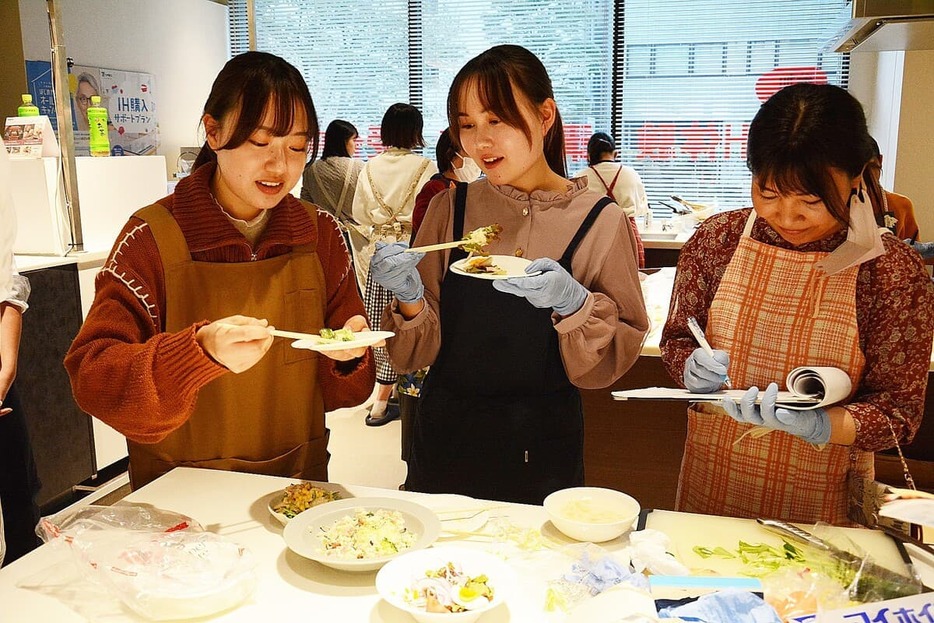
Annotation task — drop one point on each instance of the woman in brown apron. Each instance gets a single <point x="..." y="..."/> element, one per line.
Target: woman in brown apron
<point x="195" y="281"/>
<point x="804" y="278"/>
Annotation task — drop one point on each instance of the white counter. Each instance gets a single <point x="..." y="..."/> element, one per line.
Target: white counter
<point x="44" y="585"/>
<point x="291" y="588"/>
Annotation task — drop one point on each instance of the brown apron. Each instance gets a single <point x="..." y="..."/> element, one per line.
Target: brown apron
<point x="774" y="311"/>
<point x="270" y="418"/>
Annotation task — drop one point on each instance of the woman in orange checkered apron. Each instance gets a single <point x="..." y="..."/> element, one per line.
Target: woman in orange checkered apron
<point x="805" y="277"/>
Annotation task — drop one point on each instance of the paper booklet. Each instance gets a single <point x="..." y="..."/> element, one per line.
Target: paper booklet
<point x="808" y="387"/>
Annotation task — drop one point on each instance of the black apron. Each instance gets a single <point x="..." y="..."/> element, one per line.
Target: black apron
<point x="497" y="416"/>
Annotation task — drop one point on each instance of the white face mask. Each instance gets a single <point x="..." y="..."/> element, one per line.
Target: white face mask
<point x="468" y="171"/>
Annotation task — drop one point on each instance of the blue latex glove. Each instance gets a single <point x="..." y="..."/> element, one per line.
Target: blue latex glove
<point x="554" y="288"/>
<point x="926" y="249"/>
<point x="731" y="604"/>
<point x="396" y="271"/>
<point x="704" y="374"/>
<point x="812" y="425"/>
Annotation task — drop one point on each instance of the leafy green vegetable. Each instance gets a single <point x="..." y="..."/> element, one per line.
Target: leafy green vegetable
<point x="336" y="335"/>
<point x="761" y="559"/>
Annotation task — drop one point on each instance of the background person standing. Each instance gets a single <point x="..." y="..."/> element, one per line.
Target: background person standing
<point x="383" y="205"/>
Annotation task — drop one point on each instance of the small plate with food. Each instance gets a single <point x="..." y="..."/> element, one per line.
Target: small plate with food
<point x="341" y="339"/>
<point x="446" y="584"/>
<point x="492" y="267"/>
<point x="297" y="498"/>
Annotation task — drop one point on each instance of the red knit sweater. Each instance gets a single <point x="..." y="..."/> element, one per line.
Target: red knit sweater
<point x="144" y="382"/>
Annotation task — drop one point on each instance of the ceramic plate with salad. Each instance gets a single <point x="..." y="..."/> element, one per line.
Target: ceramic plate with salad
<point x="446" y="583"/>
<point x="361" y="534"/>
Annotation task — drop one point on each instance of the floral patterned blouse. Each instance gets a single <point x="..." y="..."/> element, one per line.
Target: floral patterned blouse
<point x="894" y="309"/>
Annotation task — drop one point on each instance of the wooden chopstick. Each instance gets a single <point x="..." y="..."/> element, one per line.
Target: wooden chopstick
<point x="280" y="333"/>
<point x="435" y="247"/>
<point x="293" y="334"/>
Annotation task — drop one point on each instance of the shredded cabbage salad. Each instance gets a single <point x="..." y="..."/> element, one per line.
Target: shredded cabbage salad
<point x="367" y="534"/>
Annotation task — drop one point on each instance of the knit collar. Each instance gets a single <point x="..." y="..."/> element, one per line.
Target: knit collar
<point x="206" y="227"/>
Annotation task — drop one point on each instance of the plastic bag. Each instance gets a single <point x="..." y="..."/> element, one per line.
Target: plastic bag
<point x="593" y="571"/>
<point x="159" y="563"/>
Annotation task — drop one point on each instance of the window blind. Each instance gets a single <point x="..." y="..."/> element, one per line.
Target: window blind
<point x="676" y="82"/>
<point x="694" y="74"/>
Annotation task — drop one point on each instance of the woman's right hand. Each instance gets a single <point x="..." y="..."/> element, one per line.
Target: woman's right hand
<point x="395" y="270"/>
<point x="235" y="342"/>
<point x="704" y="374"/>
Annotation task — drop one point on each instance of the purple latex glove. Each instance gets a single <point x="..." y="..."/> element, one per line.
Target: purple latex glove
<point x="812" y="425"/>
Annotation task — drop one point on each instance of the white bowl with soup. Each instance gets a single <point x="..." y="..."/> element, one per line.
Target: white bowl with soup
<point x="591" y="514"/>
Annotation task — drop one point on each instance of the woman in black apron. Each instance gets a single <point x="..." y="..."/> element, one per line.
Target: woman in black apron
<point x="510" y="428"/>
<point x="500" y="414"/>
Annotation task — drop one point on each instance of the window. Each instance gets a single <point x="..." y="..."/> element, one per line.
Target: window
<point x="689" y="74"/>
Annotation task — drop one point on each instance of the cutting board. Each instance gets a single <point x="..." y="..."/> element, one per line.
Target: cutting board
<point x="687" y="530"/>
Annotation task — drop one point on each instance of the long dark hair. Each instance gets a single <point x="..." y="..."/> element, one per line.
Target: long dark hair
<point x="803" y="131"/>
<point x="600" y="143"/>
<point x="246" y="85"/>
<point x="496" y="73"/>
<point x="336" y="137"/>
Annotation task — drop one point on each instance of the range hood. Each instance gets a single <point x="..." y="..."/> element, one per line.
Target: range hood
<point x="877" y="25"/>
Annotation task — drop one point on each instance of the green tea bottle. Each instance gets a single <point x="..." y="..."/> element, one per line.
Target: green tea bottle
<point x="28" y="109"/>
<point x="97" y="127"/>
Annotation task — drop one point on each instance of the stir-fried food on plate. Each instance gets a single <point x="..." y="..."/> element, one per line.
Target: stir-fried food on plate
<point x="482" y="265"/>
<point x="302" y="496"/>
<point x="476" y="240"/>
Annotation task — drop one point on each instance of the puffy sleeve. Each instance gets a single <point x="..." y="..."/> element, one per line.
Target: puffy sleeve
<point x="602" y="340"/>
<point x="418" y="340"/>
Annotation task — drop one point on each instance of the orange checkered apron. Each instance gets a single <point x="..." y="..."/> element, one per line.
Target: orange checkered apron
<point x="774" y="311"/>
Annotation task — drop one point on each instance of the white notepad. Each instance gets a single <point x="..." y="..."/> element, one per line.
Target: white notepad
<point x="808" y="387"/>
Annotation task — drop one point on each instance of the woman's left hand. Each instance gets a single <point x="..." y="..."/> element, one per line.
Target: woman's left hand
<point x="356" y="324"/>
<point x="554" y="287"/>
<point x="811" y="425"/>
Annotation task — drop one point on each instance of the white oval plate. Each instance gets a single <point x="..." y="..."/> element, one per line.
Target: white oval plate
<point x="514" y="267"/>
<point x="393" y="579"/>
<point x="361" y="339"/>
<point x="301" y="533"/>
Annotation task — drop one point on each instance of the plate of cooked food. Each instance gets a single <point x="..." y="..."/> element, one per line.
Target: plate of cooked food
<point x="493" y="267"/>
<point x="341" y="339"/>
<point x="361" y="534"/>
<point x="297" y="498"/>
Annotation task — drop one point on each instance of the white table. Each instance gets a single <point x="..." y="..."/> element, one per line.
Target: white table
<point x="291" y="588"/>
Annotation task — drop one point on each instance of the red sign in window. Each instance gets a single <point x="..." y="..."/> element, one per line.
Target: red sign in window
<point x="576" y="137"/>
<point x="777" y="79"/>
